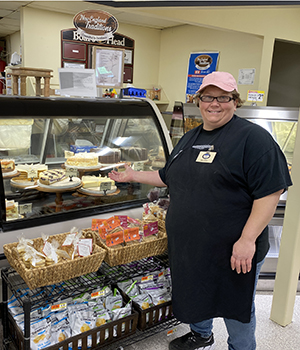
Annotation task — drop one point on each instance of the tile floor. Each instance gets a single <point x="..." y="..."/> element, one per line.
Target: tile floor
<point x="270" y="335"/>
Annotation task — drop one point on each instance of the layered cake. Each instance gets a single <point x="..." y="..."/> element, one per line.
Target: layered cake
<point x="134" y="154"/>
<point x="91" y="181"/>
<point x="28" y="171"/>
<point x="108" y="155"/>
<point x="50" y="177"/>
<point x="7" y="165"/>
<point x="12" y="211"/>
<point x="83" y="159"/>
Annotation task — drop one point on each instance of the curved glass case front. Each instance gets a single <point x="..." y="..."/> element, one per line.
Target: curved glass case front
<point x="56" y="155"/>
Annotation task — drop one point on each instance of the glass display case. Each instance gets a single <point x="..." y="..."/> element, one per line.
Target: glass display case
<point x="282" y="124"/>
<point x="56" y="154"/>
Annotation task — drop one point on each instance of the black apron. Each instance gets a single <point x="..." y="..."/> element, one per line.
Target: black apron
<point x="207" y="213"/>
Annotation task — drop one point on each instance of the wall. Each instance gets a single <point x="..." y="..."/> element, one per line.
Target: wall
<point x="277" y="22"/>
<point x="237" y="50"/>
<point x="43" y="50"/>
<point x="13" y="43"/>
<point x="146" y="54"/>
<point x="41" y="40"/>
<point x="244" y="36"/>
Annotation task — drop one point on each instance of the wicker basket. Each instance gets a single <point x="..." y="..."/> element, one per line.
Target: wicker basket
<point x="127" y="254"/>
<point x="62" y="271"/>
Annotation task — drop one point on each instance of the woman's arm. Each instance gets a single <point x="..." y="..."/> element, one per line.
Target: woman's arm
<point x="130" y="175"/>
<point x="243" y="250"/>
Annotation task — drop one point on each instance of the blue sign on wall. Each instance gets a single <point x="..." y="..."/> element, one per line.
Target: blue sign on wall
<point x="200" y="64"/>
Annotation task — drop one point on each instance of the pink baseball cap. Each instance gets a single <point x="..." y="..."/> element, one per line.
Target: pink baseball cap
<point x="222" y="80"/>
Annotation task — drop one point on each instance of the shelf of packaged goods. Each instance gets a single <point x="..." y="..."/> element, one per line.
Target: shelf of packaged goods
<point x="106" y="275"/>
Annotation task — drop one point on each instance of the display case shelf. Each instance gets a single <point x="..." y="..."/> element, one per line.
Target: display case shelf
<point x="32" y="300"/>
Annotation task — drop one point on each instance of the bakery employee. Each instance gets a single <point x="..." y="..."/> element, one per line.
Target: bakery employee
<point x="225" y="178"/>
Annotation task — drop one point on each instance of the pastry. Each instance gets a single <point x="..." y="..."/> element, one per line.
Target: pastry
<point x="29" y="171"/>
<point x="108" y="155"/>
<point x="83" y="159"/>
<point x="7" y="165"/>
<point x="134" y="154"/>
<point x="95" y="181"/>
<point x="49" y="177"/>
<point x="12" y="211"/>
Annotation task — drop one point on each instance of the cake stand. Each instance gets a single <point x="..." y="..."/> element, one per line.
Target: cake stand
<point x="59" y="188"/>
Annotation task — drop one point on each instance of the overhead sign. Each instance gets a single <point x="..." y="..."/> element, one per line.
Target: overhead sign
<point x="95" y="25"/>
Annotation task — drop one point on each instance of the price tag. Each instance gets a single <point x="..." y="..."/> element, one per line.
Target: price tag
<point x="25" y="208"/>
<point x="105" y="186"/>
<point x="256" y="96"/>
<point x="147" y="278"/>
<point x="98" y="294"/>
<point x="32" y="173"/>
<point x="71" y="172"/>
<point x="59" y="307"/>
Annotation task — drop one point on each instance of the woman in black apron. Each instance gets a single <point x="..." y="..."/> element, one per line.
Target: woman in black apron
<point x="225" y="178"/>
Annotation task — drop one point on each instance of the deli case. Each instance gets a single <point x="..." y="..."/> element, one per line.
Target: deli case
<point x="80" y="140"/>
<point x="282" y="123"/>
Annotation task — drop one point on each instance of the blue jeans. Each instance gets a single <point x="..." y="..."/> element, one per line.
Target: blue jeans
<point x="241" y="335"/>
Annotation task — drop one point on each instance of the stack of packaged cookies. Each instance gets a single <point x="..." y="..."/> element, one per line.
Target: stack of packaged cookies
<point x="122" y="231"/>
<point x="66" y="318"/>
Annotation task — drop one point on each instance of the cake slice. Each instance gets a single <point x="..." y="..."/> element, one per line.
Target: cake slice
<point x="31" y="170"/>
<point x="7" y="165"/>
<point x="11" y="209"/>
<point x="91" y="181"/>
<point x="50" y="177"/>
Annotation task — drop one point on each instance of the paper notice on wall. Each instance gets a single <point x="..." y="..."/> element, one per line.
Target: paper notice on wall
<point x="246" y="76"/>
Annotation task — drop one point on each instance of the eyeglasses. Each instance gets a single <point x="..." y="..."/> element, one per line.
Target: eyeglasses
<point x="220" y="99"/>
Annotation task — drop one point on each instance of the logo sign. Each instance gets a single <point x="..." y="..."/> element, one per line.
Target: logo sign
<point x="97" y="25"/>
<point x="203" y="62"/>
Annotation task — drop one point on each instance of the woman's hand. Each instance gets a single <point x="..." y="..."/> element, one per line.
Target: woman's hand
<point x="242" y="254"/>
<point x="130" y="175"/>
<point x="122" y="176"/>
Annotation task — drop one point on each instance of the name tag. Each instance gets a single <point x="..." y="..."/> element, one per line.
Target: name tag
<point x="206" y="157"/>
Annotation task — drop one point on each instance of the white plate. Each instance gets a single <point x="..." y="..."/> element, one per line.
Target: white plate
<point x="95" y="190"/>
<point x="25" y="183"/>
<point x="66" y="183"/>
<point x="11" y="173"/>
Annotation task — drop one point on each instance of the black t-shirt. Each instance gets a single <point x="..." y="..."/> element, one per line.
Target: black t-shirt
<point x="252" y="156"/>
